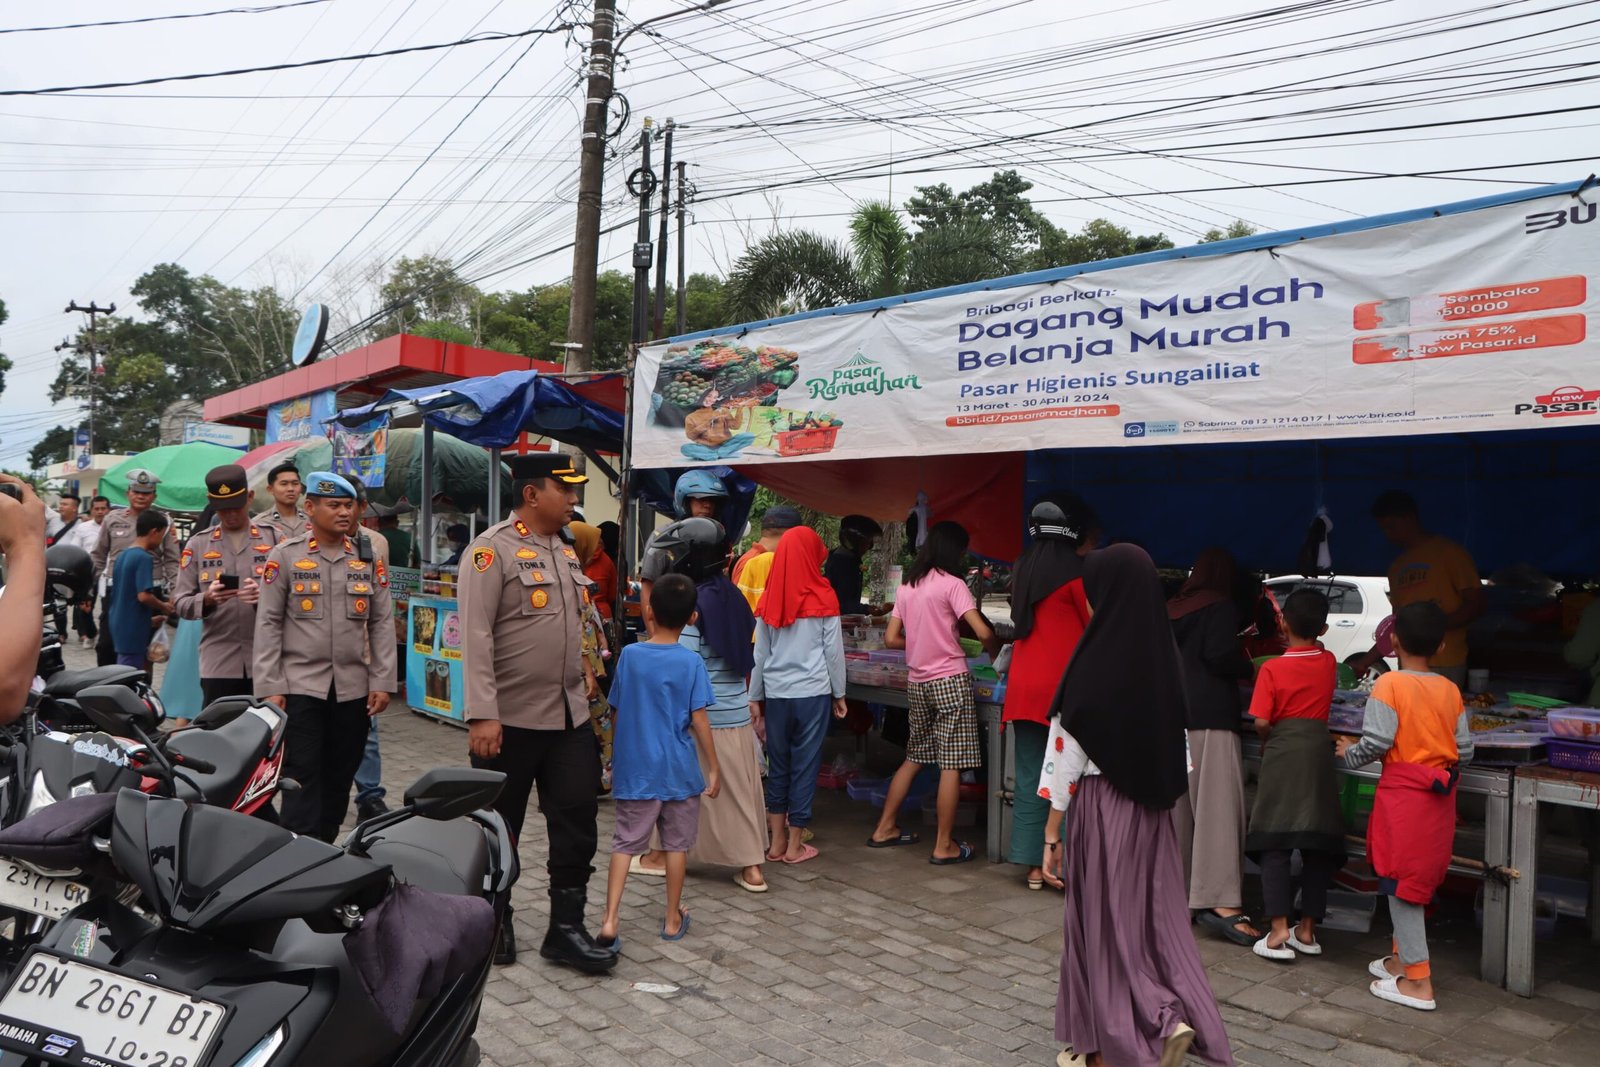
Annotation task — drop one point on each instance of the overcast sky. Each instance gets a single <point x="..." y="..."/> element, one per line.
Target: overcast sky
<point x="792" y="111"/>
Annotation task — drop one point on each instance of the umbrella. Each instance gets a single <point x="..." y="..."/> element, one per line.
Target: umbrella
<point x="181" y="468"/>
<point x="309" y="454"/>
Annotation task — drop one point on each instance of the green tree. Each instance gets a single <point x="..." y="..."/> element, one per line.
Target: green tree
<point x="996" y="213"/>
<point x="1237" y="228"/>
<point x="54" y="447"/>
<point x="1099" y="239"/>
<point x="5" y="364"/>
<point x="422" y="289"/>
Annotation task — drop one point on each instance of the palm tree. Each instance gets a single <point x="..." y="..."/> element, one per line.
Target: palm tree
<point x="797" y="270"/>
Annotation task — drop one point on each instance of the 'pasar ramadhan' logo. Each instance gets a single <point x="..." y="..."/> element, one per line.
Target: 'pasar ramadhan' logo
<point x="859" y="375"/>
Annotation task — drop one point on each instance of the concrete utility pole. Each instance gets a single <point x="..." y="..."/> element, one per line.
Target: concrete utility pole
<point x="94" y="356"/>
<point x="683" y="197"/>
<point x="659" y="319"/>
<point x="591" y="178"/>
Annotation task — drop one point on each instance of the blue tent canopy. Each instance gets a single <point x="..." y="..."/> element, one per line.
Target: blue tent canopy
<point x="492" y="412"/>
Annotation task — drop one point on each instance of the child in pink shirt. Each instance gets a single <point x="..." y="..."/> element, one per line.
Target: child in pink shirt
<point x="944" y="718"/>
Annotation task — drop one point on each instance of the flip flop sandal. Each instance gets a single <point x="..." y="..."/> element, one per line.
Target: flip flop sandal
<point x="1282" y="954"/>
<point x="1389" y="989"/>
<point x="1305" y="948"/>
<point x="963" y="856"/>
<point x="906" y="838"/>
<point x="684" y="929"/>
<point x="806" y="853"/>
<point x="1227" y="926"/>
<point x="635" y="866"/>
<point x="614" y="945"/>
<point x="1035" y="884"/>
<point x="1177" y="1046"/>
<point x="1068" y="1058"/>
<point x="1377" y="969"/>
<point x="749" y="887"/>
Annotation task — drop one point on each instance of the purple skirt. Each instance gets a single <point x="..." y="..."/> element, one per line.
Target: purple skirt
<point x="1130" y="972"/>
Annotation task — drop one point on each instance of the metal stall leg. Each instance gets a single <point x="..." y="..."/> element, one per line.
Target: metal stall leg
<point x="995" y="737"/>
<point x="1525" y="858"/>
<point x="1496" y="893"/>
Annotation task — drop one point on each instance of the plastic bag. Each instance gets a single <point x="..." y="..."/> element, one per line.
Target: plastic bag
<point x="160" y="646"/>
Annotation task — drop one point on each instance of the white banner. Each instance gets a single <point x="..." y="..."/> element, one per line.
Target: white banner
<point x="1465" y="322"/>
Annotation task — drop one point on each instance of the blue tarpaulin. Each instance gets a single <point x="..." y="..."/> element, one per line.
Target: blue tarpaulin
<point x="1513" y="497"/>
<point x="492" y="412"/>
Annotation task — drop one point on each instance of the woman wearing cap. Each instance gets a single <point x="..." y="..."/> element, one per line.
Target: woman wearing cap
<point x="1211" y="815"/>
<point x="797" y="678"/>
<point x="1133" y="991"/>
<point x="1049" y="614"/>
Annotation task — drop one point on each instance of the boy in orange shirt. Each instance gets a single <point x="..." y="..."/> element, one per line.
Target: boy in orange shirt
<point x="1416" y="724"/>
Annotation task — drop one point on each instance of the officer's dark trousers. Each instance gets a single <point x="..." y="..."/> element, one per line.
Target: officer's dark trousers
<point x="322" y="748"/>
<point x="565" y="765"/>
<point x="217" y="688"/>
<point x="105" y="653"/>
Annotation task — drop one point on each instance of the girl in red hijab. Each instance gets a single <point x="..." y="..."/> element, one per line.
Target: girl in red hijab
<point x="797" y="680"/>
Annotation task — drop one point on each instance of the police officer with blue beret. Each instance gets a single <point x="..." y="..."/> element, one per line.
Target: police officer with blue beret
<point x="324" y="652"/>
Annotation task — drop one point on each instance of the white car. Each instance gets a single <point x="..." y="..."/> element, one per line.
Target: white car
<point x="1355" y="608"/>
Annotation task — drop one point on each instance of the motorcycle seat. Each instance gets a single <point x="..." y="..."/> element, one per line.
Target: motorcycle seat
<point x="441" y="857"/>
<point x="235" y="749"/>
<point x="71" y="683"/>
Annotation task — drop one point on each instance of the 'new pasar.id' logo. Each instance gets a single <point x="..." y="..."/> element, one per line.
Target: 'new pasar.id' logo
<point x="1566" y="402"/>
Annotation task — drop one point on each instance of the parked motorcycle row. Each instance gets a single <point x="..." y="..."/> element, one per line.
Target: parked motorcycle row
<point x="152" y="913"/>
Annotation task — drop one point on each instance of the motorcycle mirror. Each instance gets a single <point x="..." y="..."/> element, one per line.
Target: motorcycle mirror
<point x="451" y="792"/>
<point x="118" y="710"/>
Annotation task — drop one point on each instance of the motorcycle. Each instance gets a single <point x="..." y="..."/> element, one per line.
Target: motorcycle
<point x="231" y="755"/>
<point x="252" y="947"/>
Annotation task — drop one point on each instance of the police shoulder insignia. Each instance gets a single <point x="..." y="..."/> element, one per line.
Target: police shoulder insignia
<point x="188" y="554"/>
<point x="383" y="574"/>
<point x="482" y="559"/>
<point x="521" y="528"/>
<point x="269" y="573"/>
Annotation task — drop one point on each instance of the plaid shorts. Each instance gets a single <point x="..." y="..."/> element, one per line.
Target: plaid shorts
<point x="944" y="724"/>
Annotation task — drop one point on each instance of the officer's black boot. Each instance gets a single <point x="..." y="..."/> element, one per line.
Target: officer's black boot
<point x="505" y="948"/>
<point x="567" y="941"/>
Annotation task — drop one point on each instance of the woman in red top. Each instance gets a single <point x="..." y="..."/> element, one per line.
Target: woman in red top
<point x="1050" y="613"/>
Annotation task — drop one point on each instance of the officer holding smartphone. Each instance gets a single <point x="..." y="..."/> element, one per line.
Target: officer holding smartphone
<point x="218" y="581"/>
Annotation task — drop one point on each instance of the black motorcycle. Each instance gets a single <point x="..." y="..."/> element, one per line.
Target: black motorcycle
<point x="252" y="947"/>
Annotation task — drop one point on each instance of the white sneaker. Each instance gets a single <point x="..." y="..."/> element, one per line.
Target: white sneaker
<point x="1284" y="954"/>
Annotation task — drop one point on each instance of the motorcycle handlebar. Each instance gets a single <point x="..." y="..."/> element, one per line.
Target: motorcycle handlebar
<point x="193" y="763"/>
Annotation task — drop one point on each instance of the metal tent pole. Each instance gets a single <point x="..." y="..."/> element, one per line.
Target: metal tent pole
<point x="425" y="553"/>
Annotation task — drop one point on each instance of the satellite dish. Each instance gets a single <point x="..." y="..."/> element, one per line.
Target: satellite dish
<point x="312" y="336"/>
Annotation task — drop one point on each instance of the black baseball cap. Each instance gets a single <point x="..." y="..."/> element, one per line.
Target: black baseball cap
<point x="557" y="465"/>
<point x="780" y="517"/>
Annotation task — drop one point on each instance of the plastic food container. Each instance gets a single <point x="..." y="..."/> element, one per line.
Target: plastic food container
<point x="1575" y="724"/>
<point x="1510" y="749"/>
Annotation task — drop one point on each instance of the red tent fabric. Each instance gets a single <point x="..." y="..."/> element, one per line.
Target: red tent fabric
<point x="981" y="492"/>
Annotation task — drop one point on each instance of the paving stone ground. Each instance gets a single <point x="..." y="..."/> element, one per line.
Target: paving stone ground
<point x="867" y="956"/>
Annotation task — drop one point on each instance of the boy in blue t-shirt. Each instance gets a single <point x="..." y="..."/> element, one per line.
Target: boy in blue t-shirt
<point x="135" y="609"/>
<point x="659" y="694"/>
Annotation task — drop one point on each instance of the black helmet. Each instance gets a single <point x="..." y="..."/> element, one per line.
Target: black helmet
<point x="69" y="574"/>
<point x="855" y="530"/>
<point x="1062" y="516"/>
<point x="697" y="548"/>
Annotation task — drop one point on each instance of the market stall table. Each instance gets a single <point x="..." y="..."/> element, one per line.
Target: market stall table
<point x="1534" y="786"/>
<point x="1495" y="786"/>
<point x="995" y="753"/>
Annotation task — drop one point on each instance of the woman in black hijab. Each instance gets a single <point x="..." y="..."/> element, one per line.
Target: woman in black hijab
<point x="1133" y="990"/>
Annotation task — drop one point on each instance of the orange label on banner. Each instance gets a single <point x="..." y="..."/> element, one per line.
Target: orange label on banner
<point x="1486" y="301"/>
<point x="1516" y="336"/>
<point x="993" y="418"/>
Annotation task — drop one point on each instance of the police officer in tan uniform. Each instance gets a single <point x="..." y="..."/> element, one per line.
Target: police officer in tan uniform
<point x="321" y="605"/>
<point x="523" y="596"/>
<point x="219" y="576"/>
<point x="117" y="533"/>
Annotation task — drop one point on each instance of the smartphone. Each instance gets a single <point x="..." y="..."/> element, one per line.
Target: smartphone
<point x="229" y="581"/>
